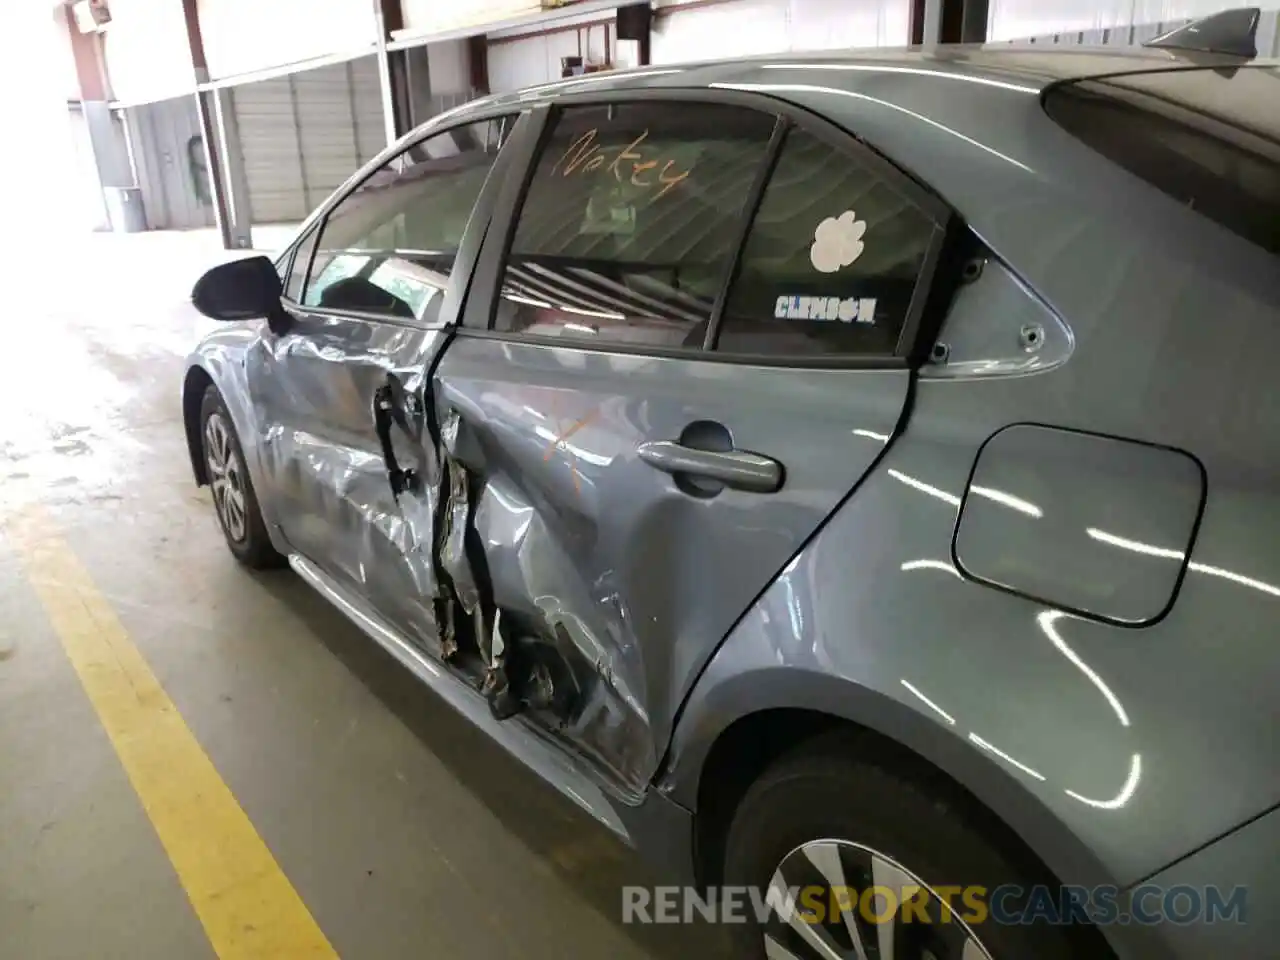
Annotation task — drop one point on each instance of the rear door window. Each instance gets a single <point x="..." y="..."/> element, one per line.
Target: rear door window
<point x="630" y="222"/>
<point x="833" y="259"/>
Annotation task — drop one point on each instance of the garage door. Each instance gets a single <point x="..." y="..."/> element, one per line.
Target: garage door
<point x="169" y="157"/>
<point x="304" y="134"/>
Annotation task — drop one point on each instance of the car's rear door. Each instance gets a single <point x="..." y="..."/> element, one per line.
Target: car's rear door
<point x="373" y="293"/>
<point x="681" y="354"/>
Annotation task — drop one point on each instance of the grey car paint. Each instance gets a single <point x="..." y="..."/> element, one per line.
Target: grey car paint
<point x="1139" y="278"/>
<point x="1246" y="859"/>
<point x="313" y="388"/>
<point x="1028" y="338"/>
<point x="1057" y="478"/>
<point x="596" y="546"/>
<point x="1111" y="750"/>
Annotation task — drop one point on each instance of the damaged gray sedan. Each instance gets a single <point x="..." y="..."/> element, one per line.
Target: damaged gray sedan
<point x="833" y="472"/>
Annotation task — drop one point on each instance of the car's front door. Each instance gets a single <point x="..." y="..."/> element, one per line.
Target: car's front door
<point x="373" y="291"/>
<point x="676" y="361"/>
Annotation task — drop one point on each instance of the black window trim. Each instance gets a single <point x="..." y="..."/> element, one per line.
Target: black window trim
<point x="298" y="246"/>
<point x="781" y="127"/>
<point x="286" y="260"/>
<point x="473" y="233"/>
<point x="511" y="197"/>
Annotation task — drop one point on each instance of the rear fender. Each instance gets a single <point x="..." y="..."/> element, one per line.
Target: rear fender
<point x="745" y="679"/>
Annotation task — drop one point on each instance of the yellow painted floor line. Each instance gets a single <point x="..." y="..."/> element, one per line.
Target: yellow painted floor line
<point x="247" y="906"/>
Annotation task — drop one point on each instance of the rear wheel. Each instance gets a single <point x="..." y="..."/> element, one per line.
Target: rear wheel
<point x="234" y="500"/>
<point x="850" y="843"/>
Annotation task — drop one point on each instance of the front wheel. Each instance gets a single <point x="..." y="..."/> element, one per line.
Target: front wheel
<point x="234" y="500"/>
<point x="864" y="863"/>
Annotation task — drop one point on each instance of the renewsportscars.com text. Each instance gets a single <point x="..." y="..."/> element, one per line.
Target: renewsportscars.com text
<point x="1148" y="904"/>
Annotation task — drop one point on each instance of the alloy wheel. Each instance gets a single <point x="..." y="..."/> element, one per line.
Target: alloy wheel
<point x="226" y="476"/>
<point x="859" y="913"/>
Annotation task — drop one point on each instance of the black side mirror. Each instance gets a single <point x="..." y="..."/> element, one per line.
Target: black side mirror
<point x="242" y="290"/>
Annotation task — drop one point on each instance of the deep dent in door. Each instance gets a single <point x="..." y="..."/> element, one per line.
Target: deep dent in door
<point x="393" y="512"/>
<point x="509" y="623"/>
<point x="331" y="493"/>
<point x="515" y="530"/>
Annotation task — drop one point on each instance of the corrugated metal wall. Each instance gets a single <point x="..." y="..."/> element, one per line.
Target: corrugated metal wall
<point x="1112" y="22"/>
<point x="304" y="134"/>
<point x="168" y="157"/>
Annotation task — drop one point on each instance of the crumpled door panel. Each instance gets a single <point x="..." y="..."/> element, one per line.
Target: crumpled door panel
<point x="512" y="551"/>
<point x="589" y="587"/>
<point x="315" y="389"/>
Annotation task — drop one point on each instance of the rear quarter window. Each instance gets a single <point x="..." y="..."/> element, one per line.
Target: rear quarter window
<point x="1209" y="139"/>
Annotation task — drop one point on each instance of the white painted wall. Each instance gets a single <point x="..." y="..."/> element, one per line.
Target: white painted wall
<point x="432" y="16"/>
<point x="733" y="29"/>
<point x="1025" y="19"/>
<point x="146" y="50"/>
<point x="523" y="63"/>
<point x="49" y="188"/>
<point x="746" y="27"/>
<point x="90" y="207"/>
<point x="245" y="35"/>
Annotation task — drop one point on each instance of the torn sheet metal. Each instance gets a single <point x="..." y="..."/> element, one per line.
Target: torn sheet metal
<point x="514" y="551"/>
<point x="452" y="541"/>
<point x="477" y="561"/>
<point x="620" y="580"/>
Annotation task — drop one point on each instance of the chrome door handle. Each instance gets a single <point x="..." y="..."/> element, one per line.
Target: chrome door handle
<point x="734" y="468"/>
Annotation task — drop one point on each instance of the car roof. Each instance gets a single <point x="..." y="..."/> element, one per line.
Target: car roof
<point x="968" y="123"/>
<point x="984" y="97"/>
<point x="958" y="118"/>
<point x="1028" y="65"/>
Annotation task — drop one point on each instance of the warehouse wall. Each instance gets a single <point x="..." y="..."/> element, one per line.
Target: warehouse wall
<point x="168" y="157"/>
<point x="146" y="50"/>
<point x="1111" y="22"/>
<point x="522" y="59"/>
<point x="448" y="66"/>
<point x="245" y="35"/>
<point x="302" y="135"/>
<point x="47" y="187"/>
<point x="432" y="16"/>
<point x="86" y="187"/>
<point x="439" y="78"/>
<point x="747" y="27"/>
<point x="76" y="58"/>
<point x="737" y="28"/>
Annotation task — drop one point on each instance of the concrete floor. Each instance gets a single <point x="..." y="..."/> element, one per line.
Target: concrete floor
<point x="404" y="832"/>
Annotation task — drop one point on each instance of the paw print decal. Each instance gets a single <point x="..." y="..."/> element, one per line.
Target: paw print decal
<point x="837" y="242"/>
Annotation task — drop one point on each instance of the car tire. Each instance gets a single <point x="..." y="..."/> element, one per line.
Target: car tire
<point x="234" y="500"/>
<point x="823" y="799"/>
